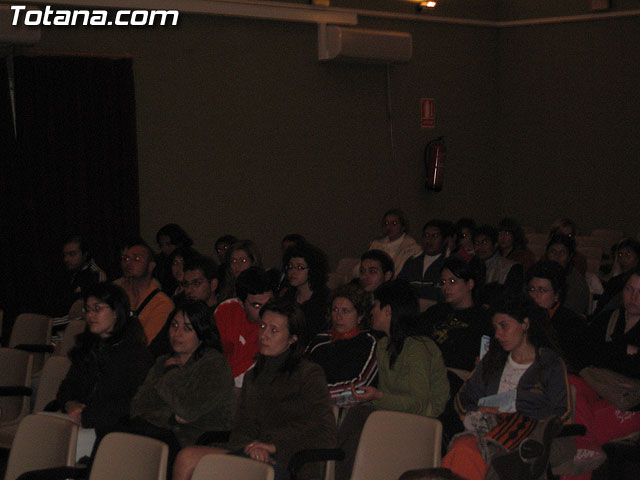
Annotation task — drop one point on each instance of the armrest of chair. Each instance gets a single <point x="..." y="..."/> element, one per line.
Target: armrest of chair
<point x="20" y="391"/>
<point x="213" y="437"/>
<point x="56" y="473"/>
<point x="313" y="455"/>
<point x="34" y="348"/>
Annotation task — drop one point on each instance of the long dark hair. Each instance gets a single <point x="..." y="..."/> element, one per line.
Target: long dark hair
<point x="404" y="314"/>
<point x="125" y="329"/>
<point x="518" y="307"/>
<point x="297" y="326"/>
<point x="200" y="316"/>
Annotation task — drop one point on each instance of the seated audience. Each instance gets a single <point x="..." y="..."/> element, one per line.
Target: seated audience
<point x="240" y="256"/>
<point x="562" y="249"/>
<point x="546" y="285"/>
<point x="502" y="276"/>
<point x="412" y="377"/>
<point x="222" y="246"/>
<point x="307" y="271"/>
<point x="169" y="237"/>
<point x="148" y="302"/>
<point x="108" y="362"/>
<point x="82" y="269"/>
<point x="530" y="377"/>
<point x="458" y="324"/>
<point x="513" y="244"/>
<point x="189" y="391"/>
<point x="284" y="405"/>
<point x="566" y="226"/>
<point x="347" y="354"/>
<point x="423" y="271"/>
<point x="238" y="321"/>
<point x="465" y="231"/>
<point x="395" y="240"/>
<point x="627" y="257"/>
<point x="376" y="267"/>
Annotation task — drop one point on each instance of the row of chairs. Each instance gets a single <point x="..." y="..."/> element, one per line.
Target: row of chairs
<point x="398" y="442"/>
<point x="24" y="370"/>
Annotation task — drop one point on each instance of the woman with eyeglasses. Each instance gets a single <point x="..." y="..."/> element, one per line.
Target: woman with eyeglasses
<point x="546" y="285"/>
<point x="307" y="272"/>
<point x="284" y="405"/>
<point x="458" y="324"/>
<point x="239" y="257"/>
<point x="108" y="363"/>
<point x="189" y="391"/>
<point x="347" y="353"/>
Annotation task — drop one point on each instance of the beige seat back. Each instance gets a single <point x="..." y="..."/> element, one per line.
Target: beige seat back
<point x="394" y="442"/>
<point x="54" y="371"/>
<point x="131" y="457"/>
<point x="15" y="371"/>
<point x="231" y="467"/>
<point x="32" y="329"/>
<point x="42" y="441"/>
<point x="71" y="331"/>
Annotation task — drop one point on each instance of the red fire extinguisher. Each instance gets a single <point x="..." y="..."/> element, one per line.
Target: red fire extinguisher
<point x="435" y="154"/>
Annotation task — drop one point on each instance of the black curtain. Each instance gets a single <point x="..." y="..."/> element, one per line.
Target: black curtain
<point x="75" y="170"/>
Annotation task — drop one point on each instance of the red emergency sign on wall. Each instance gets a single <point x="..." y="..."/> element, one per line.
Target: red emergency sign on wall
<point x="427" y="113"/>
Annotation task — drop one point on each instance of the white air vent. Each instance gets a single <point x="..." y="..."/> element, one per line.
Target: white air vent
<point x="357" y="44"/>
<point x="19" y="34"/>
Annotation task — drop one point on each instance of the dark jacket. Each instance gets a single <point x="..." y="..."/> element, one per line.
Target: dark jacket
<point x="427" y="285"/>
<point x="543" y="390"/>
<point x="458" y="333"/>
<point x="612" y="352"/>
<point x="106" y="378"/>
<point x="290" y="410"/>
<point x="200" y="392"/>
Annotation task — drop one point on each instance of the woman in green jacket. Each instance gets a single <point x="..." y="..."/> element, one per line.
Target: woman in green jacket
<point x="412" y="377"/>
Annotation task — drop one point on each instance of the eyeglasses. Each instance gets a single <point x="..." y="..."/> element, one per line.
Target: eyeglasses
<point x="297" y="267"/>
<point x="193" y="283"/>
<point x="392" y="222"/>
<point x="431" y="235"/>
<point x="539" y="290"/>
<point x="132" y="258"/>
<point x="223" y="248"/>
<point x="96" y="308"/>
<point x="240" y="260"/>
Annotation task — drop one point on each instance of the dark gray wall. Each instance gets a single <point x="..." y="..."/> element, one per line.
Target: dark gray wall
<point x="242" y="130"/>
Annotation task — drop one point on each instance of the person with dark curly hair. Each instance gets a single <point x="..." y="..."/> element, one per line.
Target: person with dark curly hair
<point x="307" y="270"/>
<point x="108" y="362"/>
